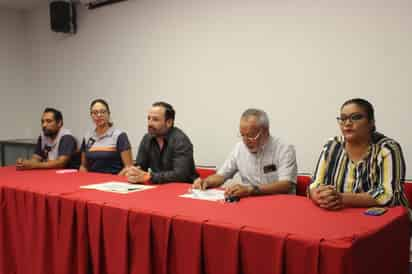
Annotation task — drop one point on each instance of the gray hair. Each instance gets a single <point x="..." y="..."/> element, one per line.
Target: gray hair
<point x="262" y="117"/>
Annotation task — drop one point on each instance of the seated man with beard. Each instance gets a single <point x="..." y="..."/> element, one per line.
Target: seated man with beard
<point x="56" y="147"/>
<point x="165" y="152"/>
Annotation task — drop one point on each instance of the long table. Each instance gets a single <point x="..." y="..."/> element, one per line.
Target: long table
<point x="50" y="225"/>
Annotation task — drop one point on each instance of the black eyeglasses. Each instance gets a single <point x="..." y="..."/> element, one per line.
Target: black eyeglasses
<point x="354" y="117"/>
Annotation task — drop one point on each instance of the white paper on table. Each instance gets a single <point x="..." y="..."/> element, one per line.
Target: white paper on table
<point x="63" y="171"/>
<point x="118" y="187"/>
<point x="208" y="194"/>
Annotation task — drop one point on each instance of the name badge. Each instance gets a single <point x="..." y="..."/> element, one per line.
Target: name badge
<point x="269" y="168"/>
<point x="90" y="143"/>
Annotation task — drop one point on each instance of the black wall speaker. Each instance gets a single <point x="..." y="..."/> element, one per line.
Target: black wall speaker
<point x="62" y="16"/>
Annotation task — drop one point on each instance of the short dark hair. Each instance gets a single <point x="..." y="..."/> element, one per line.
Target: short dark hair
<point x="58" y="116"/>
<point x="366" y="106"/>
<point x="169" y="111"/>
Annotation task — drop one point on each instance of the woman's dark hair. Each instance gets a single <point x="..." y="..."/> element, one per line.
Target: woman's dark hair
<point x="106" y="105"/>
<point x="366" y="106"/>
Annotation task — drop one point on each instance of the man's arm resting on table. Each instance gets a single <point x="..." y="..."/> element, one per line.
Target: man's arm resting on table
<point x="214" y="180"/>
<point x="278" y="187"/>
<point x="136" y="175"/>
<point x="241" y="190"/>
<point x="23" y="164"/>
<point x="36" y="163"/>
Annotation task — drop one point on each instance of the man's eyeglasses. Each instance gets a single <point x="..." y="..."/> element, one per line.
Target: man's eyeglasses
<point x="351" y="118"/>
<point x="251" y="139"/>
<point x="97" y="112"/>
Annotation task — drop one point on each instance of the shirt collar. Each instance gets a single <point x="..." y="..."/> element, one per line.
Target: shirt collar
<point x="166" y="136"/>
<point x="265" y="145"/>
<point x="109" y="133"/>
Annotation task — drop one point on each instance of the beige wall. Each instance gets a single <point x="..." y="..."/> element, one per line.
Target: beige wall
<point x="298" y="60"/>
<point x="14" y="98"/>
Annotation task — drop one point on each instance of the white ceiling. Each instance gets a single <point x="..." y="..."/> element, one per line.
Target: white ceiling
<point x="21" y="4"/>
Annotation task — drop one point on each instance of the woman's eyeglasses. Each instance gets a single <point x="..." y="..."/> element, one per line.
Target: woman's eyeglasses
<point x="351" y="118"/>
<point x="97" y="112"/>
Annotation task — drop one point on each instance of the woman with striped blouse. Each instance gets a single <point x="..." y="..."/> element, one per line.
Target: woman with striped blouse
<point x="361" y="168"/>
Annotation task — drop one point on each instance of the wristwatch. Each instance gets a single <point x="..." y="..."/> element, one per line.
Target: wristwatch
<point x="147" y="176"/>
<point x="256" y="190"/>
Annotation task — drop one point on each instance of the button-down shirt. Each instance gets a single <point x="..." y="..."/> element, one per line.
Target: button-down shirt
<point x="275" y="161"/>
<point x="173" y="163"/>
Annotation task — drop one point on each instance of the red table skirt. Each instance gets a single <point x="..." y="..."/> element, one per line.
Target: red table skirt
<point x="71" y="231"/>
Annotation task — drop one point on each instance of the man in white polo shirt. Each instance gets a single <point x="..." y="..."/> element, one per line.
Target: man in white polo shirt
<point x="56" y="147"/>
<point x="266" y="164"/>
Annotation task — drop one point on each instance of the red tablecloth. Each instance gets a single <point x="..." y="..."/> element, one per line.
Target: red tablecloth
<point x="50" y="225"/>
